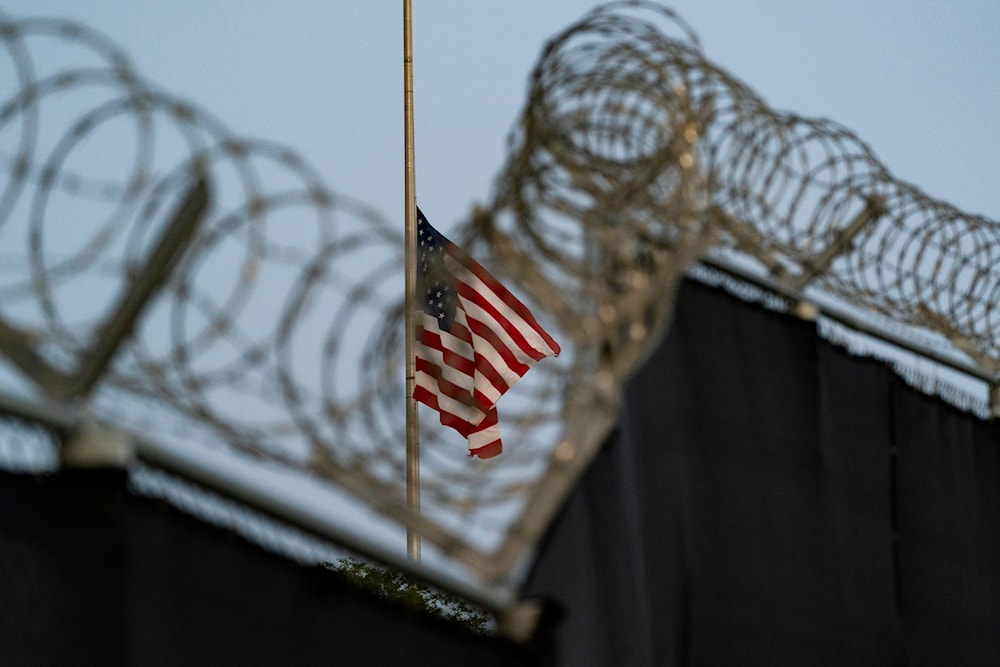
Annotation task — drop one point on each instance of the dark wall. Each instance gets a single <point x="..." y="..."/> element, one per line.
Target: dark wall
<point x="92" y="575"/>
<point x="771" y="500"/>
<point x="767" y="500"/>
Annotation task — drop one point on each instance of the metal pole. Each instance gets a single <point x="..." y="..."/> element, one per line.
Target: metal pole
<point x="412" y="438"/>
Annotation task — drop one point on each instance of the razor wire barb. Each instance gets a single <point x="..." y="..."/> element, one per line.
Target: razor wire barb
<point x="279" y="332"/>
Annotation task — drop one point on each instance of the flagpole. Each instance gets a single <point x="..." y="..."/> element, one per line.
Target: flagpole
<point x="410" y="224"/>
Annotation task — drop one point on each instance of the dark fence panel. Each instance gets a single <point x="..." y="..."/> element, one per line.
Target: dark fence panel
<point x="91" y="574"/>
<point x="771" y="499"/>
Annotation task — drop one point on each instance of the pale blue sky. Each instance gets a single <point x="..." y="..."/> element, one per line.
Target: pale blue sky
<point x="919" y="80"/>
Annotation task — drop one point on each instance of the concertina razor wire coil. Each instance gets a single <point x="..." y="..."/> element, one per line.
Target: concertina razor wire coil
<point x="280" y="331"/>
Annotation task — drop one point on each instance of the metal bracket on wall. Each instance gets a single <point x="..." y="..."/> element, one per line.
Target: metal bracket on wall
<point x="20" y="348"/>
<point x="843" y="240"/>
<point x="995" y="399"/>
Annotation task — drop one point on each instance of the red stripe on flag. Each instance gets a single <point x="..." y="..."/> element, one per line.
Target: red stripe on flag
<point x="488" y="446"/>
<point x="487" y="451"/>
<point x="446" y="387"/>
<point x="429" y="399"/>
<point x="466" y="395"/>
<point x="503" y="294"/>
<point x="487" y="334"/>
<point x="451" y="358"/>
<point x="516" y="336"/>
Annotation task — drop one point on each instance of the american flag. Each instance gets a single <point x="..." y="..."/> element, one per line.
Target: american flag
<point x="474" y="340"/>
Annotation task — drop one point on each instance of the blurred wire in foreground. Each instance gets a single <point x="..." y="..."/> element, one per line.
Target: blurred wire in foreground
<point x="277" y="331"/>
